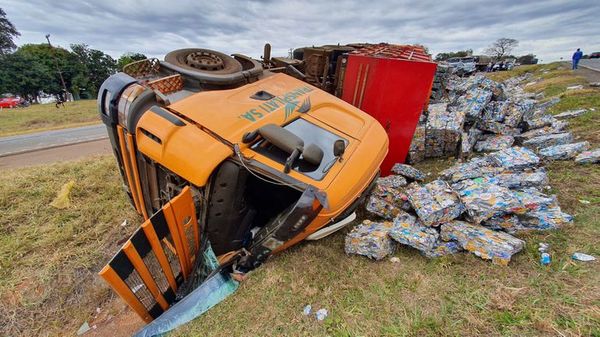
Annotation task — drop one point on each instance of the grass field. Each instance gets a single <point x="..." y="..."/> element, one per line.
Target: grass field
<point x="49" y="257"/>
<point x="42" y="117"/>
<point x="48" y="261"/>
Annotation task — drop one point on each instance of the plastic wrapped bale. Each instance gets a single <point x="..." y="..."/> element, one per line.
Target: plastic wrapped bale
<point x="370" y="239"/>
<point x="408" y="171"/>
<point x="442" y="249"/>
<point x="515" y="158"/>
<point x="496" y="88"/>
<point x="534" y="200"/>
<point x="416" y="152"/>
<point x="507" y="222"/>
<point x="547" y="130"/>
<point x="484" y="243"/>
<point x="484" y="200"/>
<point x="544" y="219"/>
<point x="570" y="114"/>
<point x="393" y="181"/>
<point x="540" y="142"/>
<point x="474" y="101"/>
<point x="435" y="202"/>
<point x="494" y="143"/>
<point x="520" y="180"/>
<point x="495" y="111"/>
<point x="559" y="125"/>
<point x="563" y="152"/>
<point x="498" y="128"/>
<point x="409" y="231"/>
<point x="443" y="131"/>
<point x="474" y="168"/>
<point x="387" y="198"/>
<point x="382" y="208"/>
<point x="468" y="140"/>
<point x="588" y="157"/>
<point x="517" y="110"/>
<point x="551" y="102"/>
<point x="539" y="122"/>
<point x="514" y="115"/>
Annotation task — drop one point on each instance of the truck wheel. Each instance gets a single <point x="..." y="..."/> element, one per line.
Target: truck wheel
<point x="204" y="61"/>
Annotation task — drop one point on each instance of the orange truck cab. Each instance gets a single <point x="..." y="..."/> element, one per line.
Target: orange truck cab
<point x="215" y="151"/>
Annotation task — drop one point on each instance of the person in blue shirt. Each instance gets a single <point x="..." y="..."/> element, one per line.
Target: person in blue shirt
<point x="576" y="57"/>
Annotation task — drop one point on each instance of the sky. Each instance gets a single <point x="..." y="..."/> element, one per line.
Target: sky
<point x="549" y="29"/>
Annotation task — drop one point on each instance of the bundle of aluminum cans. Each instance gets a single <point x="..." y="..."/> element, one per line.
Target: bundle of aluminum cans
<point x="588" y="157"/>
<point x="485" y="243"/>
<point x="494" y="143"/>
<point x="416" y="151"/>
<point x="540" y="142"/>
<point x="435" y="202"/>
<point x="563" y="152"/>
<point x="484" y="200"/>
<point x="408" y="171"/>
<point x="370" y="239"/>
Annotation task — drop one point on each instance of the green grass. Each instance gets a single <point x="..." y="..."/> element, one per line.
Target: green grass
<point x="42" y="117"/>
<point x="550" y="79"/>
<point x="49" y="259"/>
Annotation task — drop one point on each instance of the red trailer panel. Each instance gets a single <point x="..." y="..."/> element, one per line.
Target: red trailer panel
<point x="391" y="83"/>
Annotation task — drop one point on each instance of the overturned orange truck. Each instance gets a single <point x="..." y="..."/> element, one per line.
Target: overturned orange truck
<point x="228" y="163"/>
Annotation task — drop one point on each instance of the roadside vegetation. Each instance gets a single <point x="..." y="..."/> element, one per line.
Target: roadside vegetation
<point x="49" y="259"/>
<point x="43" y="117"/>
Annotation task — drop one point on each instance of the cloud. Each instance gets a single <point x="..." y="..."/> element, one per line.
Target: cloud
<point x="550" y="29"/>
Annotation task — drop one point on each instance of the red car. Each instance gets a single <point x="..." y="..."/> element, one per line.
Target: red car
<point x="10" y="102"/>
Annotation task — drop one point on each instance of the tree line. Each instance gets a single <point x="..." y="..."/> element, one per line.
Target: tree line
<point x="499" y="50"/>
<point x="32" y="69"/>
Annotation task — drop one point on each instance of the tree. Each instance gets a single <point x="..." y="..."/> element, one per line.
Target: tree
<point x="50" y="58"/>
<point x="127" y="58"/>
<point x="501" y="48"/>
<point x="22" y="73"/>
<point x="94" y="68"/>
<point x="7" y="33"/>
<point x="449" y="55"/>
<point x="527" y="59"/>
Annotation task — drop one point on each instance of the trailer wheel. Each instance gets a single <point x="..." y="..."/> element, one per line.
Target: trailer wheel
<point x="204" y="61"/>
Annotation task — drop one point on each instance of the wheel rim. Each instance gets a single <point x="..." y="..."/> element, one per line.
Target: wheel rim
<point x="204" y="60"/>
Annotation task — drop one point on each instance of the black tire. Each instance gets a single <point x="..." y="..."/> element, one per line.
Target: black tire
<point x="224" y="64"/>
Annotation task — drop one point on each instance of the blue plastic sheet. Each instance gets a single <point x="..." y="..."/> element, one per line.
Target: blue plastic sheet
<point x="208" y="294"/>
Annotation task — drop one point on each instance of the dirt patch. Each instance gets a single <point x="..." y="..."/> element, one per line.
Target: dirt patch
<point x="116" y="320"/>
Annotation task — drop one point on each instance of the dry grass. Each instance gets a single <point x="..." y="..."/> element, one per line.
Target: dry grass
<point x="42" y="117"/>
<point x="49" y="257"/>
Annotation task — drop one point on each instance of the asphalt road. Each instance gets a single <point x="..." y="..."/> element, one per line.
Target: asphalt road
<point x="50" y="139"/>
<point x="57" y="154"/>
<point x="593" y="64"/>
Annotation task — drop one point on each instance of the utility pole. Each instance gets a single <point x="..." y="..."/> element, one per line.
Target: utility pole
<point x="62" y="80"/>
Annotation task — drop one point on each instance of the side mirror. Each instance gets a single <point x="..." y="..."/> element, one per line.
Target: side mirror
<point x="339" y="147"/>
